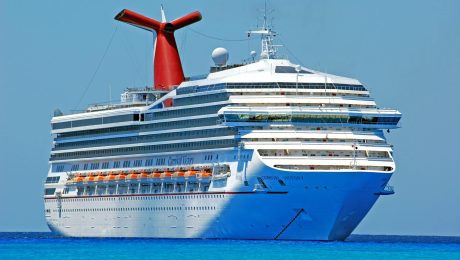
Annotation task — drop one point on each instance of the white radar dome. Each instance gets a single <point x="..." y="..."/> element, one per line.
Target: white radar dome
<point x="220" y="56"/>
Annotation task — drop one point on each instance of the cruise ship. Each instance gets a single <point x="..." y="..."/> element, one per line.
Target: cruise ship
<point x="267" y="149"/>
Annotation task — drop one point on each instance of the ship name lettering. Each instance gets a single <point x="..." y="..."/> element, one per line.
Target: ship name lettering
<point x="180" y="160"/>
<point x="293" y="178"/>
<point x="270" y="177"/>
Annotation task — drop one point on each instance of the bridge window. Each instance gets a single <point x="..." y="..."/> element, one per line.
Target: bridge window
<point x="54" y="179"/>
<point x="50" y="191"/>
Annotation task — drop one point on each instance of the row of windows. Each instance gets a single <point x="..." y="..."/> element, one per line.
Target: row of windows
<point x="206" y="133"/>
<point x="194" y="89"/>
<point x="161" y="197"/>
<point x="95" y="132"/>
<point x="185" y="101"/>
<point x="116" y="164"/>
<point x="326" y="153"/>
<point x="95" y="121"/>
<point x="140" y="128"/>
<point x="332" y="168"/>
<point x="92" y="166"/>
<point x="310" y="93"/>
<point x="144" y="188"/>
<point x="212" y="144"/>
<point x="184" y="112"/>
<point x="315" y="140"/>
<point x="290" y="69"/>
<point x="306" y="105"/>
<point x="180" y="124"/>
<point x="199" y="208"/>
<point x="311" y="118"/>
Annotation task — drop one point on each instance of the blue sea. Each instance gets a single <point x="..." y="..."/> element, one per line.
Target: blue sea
<point x="49" y="246"/>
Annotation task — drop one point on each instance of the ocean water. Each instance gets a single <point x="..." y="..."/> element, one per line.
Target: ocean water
<point x="49" y="246"/>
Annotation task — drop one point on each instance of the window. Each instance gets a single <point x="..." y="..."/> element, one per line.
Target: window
<point x="149" y="162"/>
<point x="289" y="69"/>
<point x="94" y="166"/>
<point x="116" y="164"/>
<point x="137" y="163"/>
<point x="54" y="179"/>
<point x="126" y="164"/>
<point x="50" y="191"/>
<point x="160" y="161"/>
<point x="75" y="167"/>
<point x="85" y="166"/>
<point x="60" y="168"/>
<point x="105" y="165"/>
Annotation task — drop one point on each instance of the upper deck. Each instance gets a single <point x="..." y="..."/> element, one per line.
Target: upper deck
<point x="277" y="80"/>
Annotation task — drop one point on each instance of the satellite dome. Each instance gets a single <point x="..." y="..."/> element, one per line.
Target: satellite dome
<point x="220" y="56"/>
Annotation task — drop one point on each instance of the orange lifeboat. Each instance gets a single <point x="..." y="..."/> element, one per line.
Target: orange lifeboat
<point x="167" y="174"/>
<point x="110" y="177"/>
<point x="156" y="174"/>
<point x="121" y="177"/>
<point x="180" y="173"/>
<point x="90" y="177"/>
<point x="205" y="173"/>
<point x="132" y="176"/>
<point x="191" y="173"/>
<point x="99" y="177"/>
<point x="78" y="178"/>
<point x="143" y="175"/>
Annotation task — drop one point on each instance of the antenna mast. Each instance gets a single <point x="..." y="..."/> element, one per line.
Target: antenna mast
<point x="268" y="49"/>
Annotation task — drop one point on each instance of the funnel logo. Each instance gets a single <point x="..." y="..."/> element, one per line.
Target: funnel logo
<point x="167" y="66"/>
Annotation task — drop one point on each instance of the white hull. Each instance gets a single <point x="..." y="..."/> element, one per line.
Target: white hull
<point x="312" y="206"/>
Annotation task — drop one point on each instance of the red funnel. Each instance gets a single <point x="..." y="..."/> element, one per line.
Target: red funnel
<point x="167" y="68"/>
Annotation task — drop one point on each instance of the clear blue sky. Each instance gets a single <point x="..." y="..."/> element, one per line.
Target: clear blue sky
<point x="406" y="52"/>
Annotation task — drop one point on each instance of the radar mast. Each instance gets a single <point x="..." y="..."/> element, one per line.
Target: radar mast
<point x="268" y="49"/>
